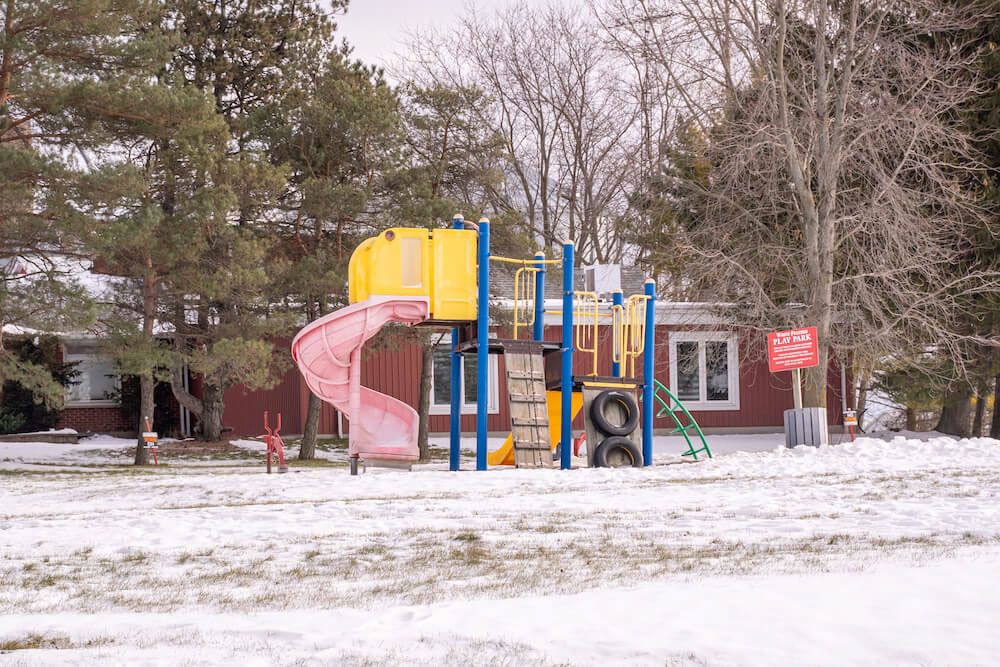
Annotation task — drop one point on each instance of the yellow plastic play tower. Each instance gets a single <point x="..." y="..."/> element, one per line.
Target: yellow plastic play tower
<point x="439" y="264"/>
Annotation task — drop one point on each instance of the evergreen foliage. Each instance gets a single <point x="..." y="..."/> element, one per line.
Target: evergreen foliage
<point x="71" y="73"/>
<point x="24" y="405"/>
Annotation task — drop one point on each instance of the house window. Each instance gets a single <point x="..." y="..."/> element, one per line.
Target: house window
<point x="441" y="383"/>
<point x="704" y="369"/>
<point x="97" y="381"/>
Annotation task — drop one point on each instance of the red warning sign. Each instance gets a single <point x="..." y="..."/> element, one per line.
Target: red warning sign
<point x="788" y="350"/>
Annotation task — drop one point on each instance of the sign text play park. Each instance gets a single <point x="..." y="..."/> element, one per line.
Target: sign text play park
<point x="788" y="350"/>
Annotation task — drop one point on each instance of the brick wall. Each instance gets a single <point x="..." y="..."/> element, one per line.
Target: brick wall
<point x="98" y="419"/>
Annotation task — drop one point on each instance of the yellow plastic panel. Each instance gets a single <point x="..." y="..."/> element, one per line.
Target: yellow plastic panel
<point x="439" y="264"/>
<point x="453" y="292"/>
<point x="396" y="262"/>
<point x="357" y="272"/>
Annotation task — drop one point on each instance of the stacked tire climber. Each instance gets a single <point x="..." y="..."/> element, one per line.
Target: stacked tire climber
<point x="614" y="415"/>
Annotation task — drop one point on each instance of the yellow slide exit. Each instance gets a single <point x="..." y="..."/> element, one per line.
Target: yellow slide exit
<point x="505" y="455"/>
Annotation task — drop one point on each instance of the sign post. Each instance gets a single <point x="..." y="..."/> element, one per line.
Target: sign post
<point x="149" y="439"/>
<point x="792" y="351"/>
<point x="797" y="388"/>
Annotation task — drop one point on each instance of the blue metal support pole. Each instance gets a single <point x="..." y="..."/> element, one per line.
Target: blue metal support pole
<point x="566" y="438"/>
<point x="455" y="424"/>
<point x="617" y="300"/>
<point x="647" y="375"/>
<point x="483" y="343"/>
<point x="538" y="332"/>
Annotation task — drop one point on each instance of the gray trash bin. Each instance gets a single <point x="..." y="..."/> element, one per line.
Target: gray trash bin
<point x="806" y="426"/>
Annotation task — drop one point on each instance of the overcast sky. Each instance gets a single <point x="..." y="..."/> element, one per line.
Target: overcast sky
<point x="377" y="28"/>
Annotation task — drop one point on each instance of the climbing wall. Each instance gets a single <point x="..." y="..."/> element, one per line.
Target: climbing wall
<point x="529" y="418"/>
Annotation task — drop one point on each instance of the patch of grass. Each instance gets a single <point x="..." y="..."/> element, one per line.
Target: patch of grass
<point x="467" y="536"/>
<point x="472" y="554"/>
<point x="372" y="549"/>
<point x="331" y="444"/>
<point x="33" y="641"/>
<point x="312" y="553"/>
<point x="93" y="469"/>
<point x="316" y="463"/>
<point x="300" y="573"/>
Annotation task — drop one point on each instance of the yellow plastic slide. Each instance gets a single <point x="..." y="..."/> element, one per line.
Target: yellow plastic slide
<point x="505" y="455"/>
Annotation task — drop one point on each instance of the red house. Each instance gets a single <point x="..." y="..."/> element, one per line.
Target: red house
<point x="719" y="376"/>
<point x="722" y="377"/>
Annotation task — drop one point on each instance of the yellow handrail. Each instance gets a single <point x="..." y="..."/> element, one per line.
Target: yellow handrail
<point x="575" y="313"/>
<point x="634" y="331"/>
<point x="525" y="262"/>
<point x="524" y="282"/>
<point x="617" y="334"/>
<point x="586" y="332"/>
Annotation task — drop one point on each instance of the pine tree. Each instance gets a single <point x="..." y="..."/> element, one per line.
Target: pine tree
<point x="73" y="73"/>
<point x="144" y="242"/>
<point x="220" y="299"/>
<point x="978" y="374"/>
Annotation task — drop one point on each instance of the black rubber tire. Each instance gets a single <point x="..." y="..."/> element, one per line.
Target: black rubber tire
<point x="613" y="444"/>
<point x="622" y="398"/>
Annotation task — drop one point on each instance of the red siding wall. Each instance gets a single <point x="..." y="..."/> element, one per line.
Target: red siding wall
<point x="396" y="371"/>
<point x="245" y="408"/>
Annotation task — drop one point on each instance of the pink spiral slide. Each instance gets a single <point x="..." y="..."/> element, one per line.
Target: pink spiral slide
<point x="328" y="353"/>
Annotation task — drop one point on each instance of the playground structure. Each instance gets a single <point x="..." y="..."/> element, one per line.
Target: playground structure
<point x="440" y="278"/>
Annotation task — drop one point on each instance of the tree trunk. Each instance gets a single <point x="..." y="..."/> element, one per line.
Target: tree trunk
<point x="995" y="422"/>
<point x="862" y="401"/>
<point x="146" y="408"/>
<point x="814" y="385"/>
<point x="211" y="413"/>
<point x="911" y="418"/>
<point x="977" y="420"/>
<point x="424" y="404"/>
<point x="307" y="449"/>
<point x="955" y="412"/>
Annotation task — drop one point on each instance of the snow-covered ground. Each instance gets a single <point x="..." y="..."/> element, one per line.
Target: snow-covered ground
<point x="874" y="552"/>
<point x="105" y="450"/>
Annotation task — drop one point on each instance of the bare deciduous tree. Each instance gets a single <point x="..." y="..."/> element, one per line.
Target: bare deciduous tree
<point x="567" y="119"/>
<point x="835" y="195"/>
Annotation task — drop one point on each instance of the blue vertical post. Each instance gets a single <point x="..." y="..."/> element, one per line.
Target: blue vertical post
<point x="616" y="367"/>
<point x="454" y="449"/>
<point x="483" y="343"/>
<point x="647" y="375"/>
<point x="566" y="438"/>
<point x="538" y="331"/>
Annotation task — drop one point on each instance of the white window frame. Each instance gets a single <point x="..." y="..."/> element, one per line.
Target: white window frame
<point x="83" y="359"/>
<point x="492" y="397"/>
<point x="733" y="368"/>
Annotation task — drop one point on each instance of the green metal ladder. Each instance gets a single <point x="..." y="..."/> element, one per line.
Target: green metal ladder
<point x="665" y="409"/>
